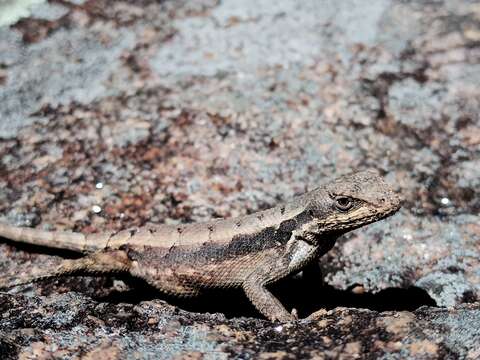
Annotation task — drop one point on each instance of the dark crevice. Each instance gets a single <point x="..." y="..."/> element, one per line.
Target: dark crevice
<point x="8" y="350"/>
<point x="307" y="298"/>
<point x="302" y="295"/>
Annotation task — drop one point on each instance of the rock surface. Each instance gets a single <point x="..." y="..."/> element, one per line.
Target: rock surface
<point x="114" y="114"/>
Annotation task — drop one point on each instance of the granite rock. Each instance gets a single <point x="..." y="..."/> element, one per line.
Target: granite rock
<point x="115" y="114"/>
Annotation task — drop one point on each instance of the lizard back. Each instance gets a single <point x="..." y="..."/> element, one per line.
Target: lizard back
<point x="259" y="229"/>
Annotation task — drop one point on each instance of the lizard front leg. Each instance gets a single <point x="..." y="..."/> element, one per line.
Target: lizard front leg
<point x="296" y="255"/>
<point x="265" y="301"/>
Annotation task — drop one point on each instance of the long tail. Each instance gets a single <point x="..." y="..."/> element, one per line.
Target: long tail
<point x="7" y="282"/>
<point x="55" y="239"/>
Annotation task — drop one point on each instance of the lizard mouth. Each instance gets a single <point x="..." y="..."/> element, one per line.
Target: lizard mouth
<point x="376" y="216"/>
<point x="338" y="226"/>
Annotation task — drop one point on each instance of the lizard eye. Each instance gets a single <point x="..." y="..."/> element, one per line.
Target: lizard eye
<point x="343" y="203"/>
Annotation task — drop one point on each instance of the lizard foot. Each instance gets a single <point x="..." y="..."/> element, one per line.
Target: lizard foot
<point x="294" y="313"/>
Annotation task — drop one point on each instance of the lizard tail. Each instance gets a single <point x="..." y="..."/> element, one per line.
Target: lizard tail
<point x="7" y="282"/>
<point x="102" y="262"/>
<point x="52" y="239"/>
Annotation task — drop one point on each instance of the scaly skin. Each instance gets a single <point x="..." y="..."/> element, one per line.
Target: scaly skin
<point x="248" y="252"/>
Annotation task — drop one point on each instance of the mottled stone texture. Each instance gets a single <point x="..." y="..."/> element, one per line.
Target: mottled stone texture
<point x="118" y="113"/>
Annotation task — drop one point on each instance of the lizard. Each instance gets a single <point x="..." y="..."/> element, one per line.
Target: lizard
<point x="248" y="252"/>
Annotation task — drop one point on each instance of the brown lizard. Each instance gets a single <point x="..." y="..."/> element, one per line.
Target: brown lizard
<point x="250" y="252"/>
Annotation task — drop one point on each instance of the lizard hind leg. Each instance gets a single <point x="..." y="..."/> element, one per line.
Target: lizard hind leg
<point x="101" y="262"/>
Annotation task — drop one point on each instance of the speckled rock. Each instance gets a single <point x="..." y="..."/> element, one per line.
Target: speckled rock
<point x="120" y="113"/>
<point x="72" y="325"/>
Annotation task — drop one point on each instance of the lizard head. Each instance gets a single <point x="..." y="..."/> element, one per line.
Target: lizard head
<point x="350" y="202"/>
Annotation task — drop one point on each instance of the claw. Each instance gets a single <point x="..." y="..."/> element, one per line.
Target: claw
<point x="295" y="313"/>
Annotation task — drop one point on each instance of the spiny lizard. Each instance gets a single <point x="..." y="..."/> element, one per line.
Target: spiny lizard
<point x="250" y="252"/>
